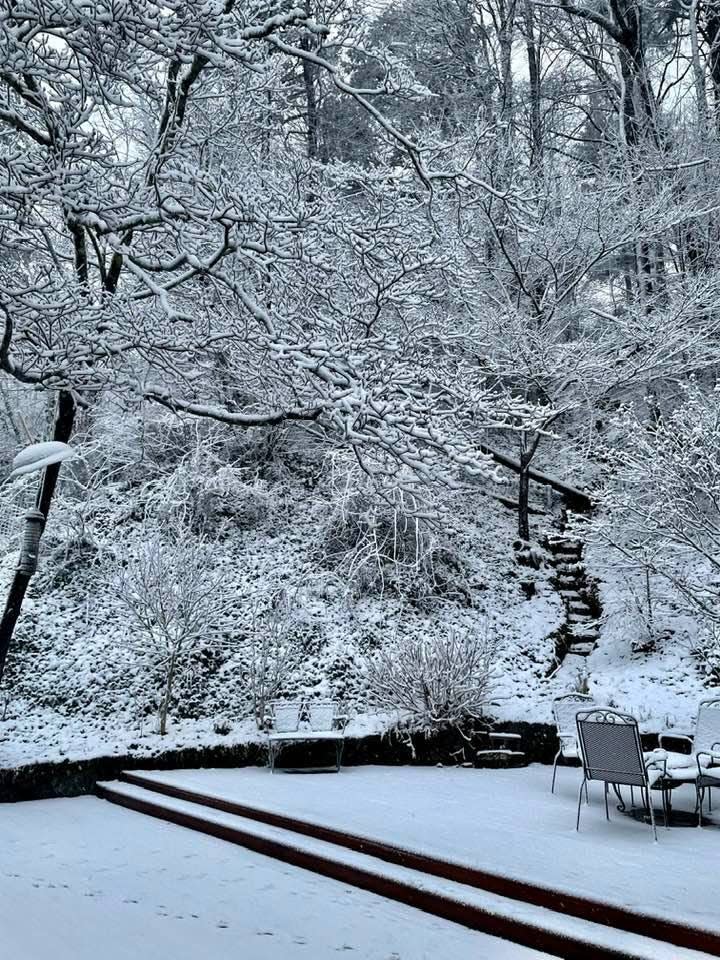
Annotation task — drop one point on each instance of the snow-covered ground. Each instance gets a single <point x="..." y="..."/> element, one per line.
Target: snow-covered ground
<point x="82" y="878"/>
<point x="505" y="821"/>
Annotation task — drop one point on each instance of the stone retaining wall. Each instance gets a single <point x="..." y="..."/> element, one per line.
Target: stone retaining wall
<point x="70" y="778"/>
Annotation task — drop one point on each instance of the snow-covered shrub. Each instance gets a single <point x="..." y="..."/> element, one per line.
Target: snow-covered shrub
<point x="178" y="603"/>
<point x="209" y="497"/>
<point x="438" y="680"/>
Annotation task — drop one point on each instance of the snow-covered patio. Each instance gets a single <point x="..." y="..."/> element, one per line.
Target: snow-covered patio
<point x="503" y="821"/>
<point x="83" y="879"/>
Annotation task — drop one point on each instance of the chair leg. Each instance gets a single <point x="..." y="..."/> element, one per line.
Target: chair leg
<point x="580" y="793"/>
<point x="587" y="798"/>
<point x="710" y="799"/>
<point x="607" y="808"/>
<point x="652" y="814"/>
<point x="699" y="797"/>
<point x="668" y="806"/>
<point x="552" y="786"/>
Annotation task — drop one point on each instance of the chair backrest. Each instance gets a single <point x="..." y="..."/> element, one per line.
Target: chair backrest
<point x="707" y="729"/>
<point x="321" y="714"/>
<point x="565" y="709"/>
<point x="610" y="746"/>
<point x="286" y="715"/>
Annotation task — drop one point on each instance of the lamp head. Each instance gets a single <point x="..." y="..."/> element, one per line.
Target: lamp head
<point x="40" y="455"/>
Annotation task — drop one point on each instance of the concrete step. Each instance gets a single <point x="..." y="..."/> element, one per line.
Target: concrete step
<point x="500" y="758"/>
<point x="568" y="568"/>
<point x="581" y="632"/>
<point x="580" y="617"/>
<point x="561" y="923"/>
<point x="570" y="595"/>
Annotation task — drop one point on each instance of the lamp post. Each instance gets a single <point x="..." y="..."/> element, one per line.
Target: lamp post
<point x="45" y="457"/>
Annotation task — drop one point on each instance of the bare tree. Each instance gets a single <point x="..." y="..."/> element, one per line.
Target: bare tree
<point x="177" y="601"/>
<point x="274" y="652"/>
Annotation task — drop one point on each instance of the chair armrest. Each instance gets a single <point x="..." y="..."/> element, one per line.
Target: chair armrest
<point x="669" y="735"/>
<point x="340" y="721"/>
<point x="714" y="759"/>
<point x="657" y="761"/>
<point x="566" y="736"/>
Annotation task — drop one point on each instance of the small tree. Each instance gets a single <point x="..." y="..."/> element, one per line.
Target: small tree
<point x="274" y="650"/>
<point x="177" y="601"/>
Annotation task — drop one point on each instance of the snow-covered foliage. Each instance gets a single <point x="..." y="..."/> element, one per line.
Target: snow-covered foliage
<point x="338" y="288"/>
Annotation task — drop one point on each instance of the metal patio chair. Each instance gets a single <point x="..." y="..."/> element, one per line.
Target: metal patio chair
<point x="323" y="722"/>
<point x="283" y="716"/>
<point x="564" y="710"/>
<point x="612" y="753"/>
<point x="708" y="776"/>
<point x="696" y="765"/>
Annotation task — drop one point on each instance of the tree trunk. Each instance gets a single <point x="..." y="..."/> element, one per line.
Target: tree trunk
<point x="527" y="452"/>
<point x="533" y="58"/>
<point x="309" y="72"/>
<point x="166" y="697"/>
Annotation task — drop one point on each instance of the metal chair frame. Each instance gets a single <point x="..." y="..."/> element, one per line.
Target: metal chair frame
<point x="708" y="724"/>
<point x="704" y="743"/>
<point x="567" y="738"/>
<point x="314" y="710"/>
<point x="612" y="753"/>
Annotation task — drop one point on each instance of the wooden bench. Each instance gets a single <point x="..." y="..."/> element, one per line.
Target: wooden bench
<point x="286" y="725"/>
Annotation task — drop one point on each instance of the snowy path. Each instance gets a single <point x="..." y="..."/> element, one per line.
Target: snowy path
<point x="82" y="879"/>
<point x="505" y="821"/>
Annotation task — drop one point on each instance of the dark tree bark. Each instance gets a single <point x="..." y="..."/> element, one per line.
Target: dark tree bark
<point x="532" y="44"/>
<point x="527" y="452"/>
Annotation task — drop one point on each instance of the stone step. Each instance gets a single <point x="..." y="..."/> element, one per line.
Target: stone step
<point x="570" y="595"/>
<point x="581" y="649"/>
<point x="585" y="633"/>
<point x="564" y="538"/>
<point x="565" y="567"/>
<point x="568" y="583"/>
<point x="580" y="607"/>
<point x="559" y="558"/>
<point x="580" y="617"/>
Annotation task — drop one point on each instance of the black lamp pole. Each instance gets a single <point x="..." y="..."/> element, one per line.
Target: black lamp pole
<point x="27" y="562"/>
